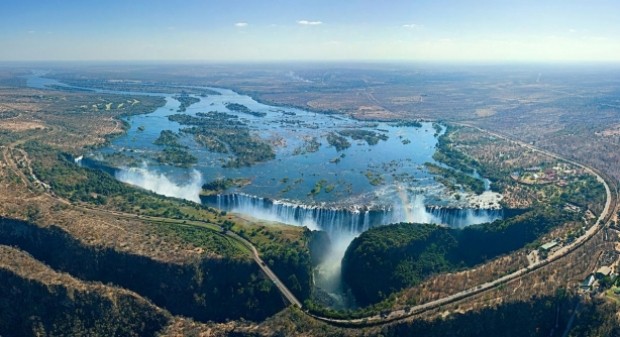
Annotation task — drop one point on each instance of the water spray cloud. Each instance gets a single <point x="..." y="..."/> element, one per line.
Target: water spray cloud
<point x="159" y="183"/>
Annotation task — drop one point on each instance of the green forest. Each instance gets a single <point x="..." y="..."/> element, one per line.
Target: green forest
<point x="224" y="133"/>
<point x="403" y="255"/>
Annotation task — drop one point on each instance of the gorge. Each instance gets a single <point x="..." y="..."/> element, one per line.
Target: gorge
<point x="327" y="172"/>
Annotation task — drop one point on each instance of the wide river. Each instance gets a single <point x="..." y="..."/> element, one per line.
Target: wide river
<point x="389" y="175"/>
<point x="362" y="186"/>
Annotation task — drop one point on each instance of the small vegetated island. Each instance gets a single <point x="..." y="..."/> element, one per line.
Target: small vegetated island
<point x="339" y="139"/>
<point x="340" y="143"/>
<point x="370" y="137"/>
<point x="226" y="134"/>
<point x="236" y="107"/>
<point x="218" y="186"/>
<point x="412" y="124"/>
<point x="168" y="138"/>
<point x="173" y="153"/>
<point x="186" y="101"/>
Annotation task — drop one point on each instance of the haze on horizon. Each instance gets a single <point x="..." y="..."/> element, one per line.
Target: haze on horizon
<point x="319" y="30"/>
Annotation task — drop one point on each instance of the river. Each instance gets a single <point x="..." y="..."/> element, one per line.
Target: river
<point x="362" y="186"/>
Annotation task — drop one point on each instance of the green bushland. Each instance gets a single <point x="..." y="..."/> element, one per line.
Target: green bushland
<point x="220" y="185"/>
<point x="374" y="178"/>
<point x="585" y="192"/>
<point x="70" y="180"/>
<point x="173" y="153"/>
<point x="318" y="186"/>
<point x="438" y="128"/>
<point x="460" y="167"/>
<point x="203" y="237"/>
<point x="8" y="137"/>
<point x="448" y="155"/>
<point x="176" y="156"/>
<point x="370" y="137"/>
<point x="403" y="255"/>
<point x="408" y="124"/>
<point x="219" y="132"/>
<point x="339" y="142"/>
<point x="456" y="177"/>
<point x="8" y="114"/>
<point x="309" y="146"/>
<point x="236" y="107"/>
<point x="186" y="101"/>
<point x="80" y="184"/>
<point x="168" y="138"/>
<point x="290" y="252"/>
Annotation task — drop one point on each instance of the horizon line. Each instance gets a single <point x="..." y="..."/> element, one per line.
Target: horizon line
<point x="322" y="61"/>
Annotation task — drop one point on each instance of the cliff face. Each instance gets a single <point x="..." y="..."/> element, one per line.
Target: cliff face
<point x="294" y="262"/>
<point x="386" y="259"/>
<point x="403" y="255"/>
<point x="37" y="301"/>
<point x="539" y="316"/>
<point x="205" y="290"/>
<point x="319" y="245"/>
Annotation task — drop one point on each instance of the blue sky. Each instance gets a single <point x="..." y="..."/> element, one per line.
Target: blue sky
<point x="266" y="30"/>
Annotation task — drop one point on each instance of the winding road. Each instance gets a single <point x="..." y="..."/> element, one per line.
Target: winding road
<point x="290" y="297"/>
<point x="603" y="220"/>
<point x="398" y="314"/>
<point x="268" y="272"/>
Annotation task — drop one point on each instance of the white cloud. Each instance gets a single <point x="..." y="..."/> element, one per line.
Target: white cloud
<point x="241" y="24"/>
<point x="309" y="23"/>
<point x="411" y="26"/>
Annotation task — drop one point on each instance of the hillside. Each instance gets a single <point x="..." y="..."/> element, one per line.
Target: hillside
<point x="403" y="255"/>
<point x="38" y="301"/>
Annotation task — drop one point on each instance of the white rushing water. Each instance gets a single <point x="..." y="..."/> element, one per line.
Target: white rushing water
<point x="344" y="225"/>
<point x="352" y="220"/>
<point x="362" y="185"/>
<point x="161" y="184"/>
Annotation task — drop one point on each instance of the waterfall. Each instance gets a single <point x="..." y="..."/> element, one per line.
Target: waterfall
<point x="344" y="224"/>
<point x="349" y="221"/>
<point x="459" y="218"/>
<point x="332" y="220"/>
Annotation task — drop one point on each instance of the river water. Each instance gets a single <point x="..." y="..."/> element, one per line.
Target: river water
<point x="362" y="186"/>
